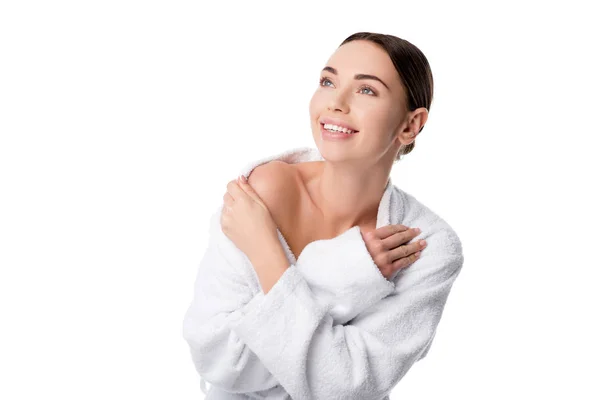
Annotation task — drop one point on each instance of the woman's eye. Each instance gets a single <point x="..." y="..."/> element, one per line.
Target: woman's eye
<point x="323" y="80"/>
<point x="368" y="88"/>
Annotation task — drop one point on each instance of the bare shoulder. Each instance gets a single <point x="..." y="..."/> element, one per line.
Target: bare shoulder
<point x="276" y="182"/>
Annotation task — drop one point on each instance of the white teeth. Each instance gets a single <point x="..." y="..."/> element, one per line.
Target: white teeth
<point x="335" y="128"/>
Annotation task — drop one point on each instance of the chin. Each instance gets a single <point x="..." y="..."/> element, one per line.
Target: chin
<point x="333" y="152"/>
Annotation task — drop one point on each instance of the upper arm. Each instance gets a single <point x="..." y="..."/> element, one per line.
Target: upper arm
<point x="275" y="184"/>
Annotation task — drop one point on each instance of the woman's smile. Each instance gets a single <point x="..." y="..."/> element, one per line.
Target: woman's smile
<point x="332" y="135"/>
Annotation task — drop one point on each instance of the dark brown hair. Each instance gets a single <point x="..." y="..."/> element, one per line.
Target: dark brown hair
<point x="413" y="68"/>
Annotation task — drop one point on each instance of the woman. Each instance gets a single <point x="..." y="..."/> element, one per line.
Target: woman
<point x="311" y="287"/>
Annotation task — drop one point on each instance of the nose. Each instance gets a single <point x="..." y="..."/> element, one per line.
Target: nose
<point x="338" y="102"/>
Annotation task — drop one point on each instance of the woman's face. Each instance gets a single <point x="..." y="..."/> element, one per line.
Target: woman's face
<point x="373" y="108"/>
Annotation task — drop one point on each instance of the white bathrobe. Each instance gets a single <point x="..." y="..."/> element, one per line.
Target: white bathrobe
<point x="332" y="327"/>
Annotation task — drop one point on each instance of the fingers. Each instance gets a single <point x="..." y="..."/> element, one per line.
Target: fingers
<point x="243" y="183"/>
<point x="388" y="230"/>
<point x="249" y="190"/>
<point x="406" y="261"/>
<point x="234" y="189"/>
<point x="407" y="250"/>
<point x="227" y="199"/>
<point x="401" y="237"/>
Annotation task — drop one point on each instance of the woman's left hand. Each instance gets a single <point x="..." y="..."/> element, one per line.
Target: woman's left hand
<point x="246" y="220"/>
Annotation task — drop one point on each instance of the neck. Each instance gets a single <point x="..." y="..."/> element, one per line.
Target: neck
<point x="348" y="194"/>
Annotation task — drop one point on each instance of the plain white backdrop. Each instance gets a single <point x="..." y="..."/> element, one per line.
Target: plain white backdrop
<point x="122" y="121"/>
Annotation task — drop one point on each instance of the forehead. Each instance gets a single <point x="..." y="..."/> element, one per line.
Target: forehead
<point x="364" y="57"/>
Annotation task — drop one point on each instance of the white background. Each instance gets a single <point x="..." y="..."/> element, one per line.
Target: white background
<point x="122" y="121"/>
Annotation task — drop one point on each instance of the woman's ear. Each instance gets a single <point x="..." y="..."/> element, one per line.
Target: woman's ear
<point x="410" y="131"/>
<point x="406" y="137"/>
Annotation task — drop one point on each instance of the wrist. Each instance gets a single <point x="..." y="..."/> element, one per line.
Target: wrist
<point x="269" y="253"/>
<point x="270" y="265"/>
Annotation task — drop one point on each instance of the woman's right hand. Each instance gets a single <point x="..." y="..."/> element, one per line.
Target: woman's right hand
<point x="388" y="249"/>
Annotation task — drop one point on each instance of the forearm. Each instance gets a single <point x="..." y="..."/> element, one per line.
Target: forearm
<point x="270" y="264"/>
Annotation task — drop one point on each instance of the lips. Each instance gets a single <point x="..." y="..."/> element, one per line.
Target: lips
<point x="335" y="135"/>
<point x="343" y="126"/>
<point x="338" y="122"/>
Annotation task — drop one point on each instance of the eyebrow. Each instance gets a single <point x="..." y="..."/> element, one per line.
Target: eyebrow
<point x="357" y="76"/>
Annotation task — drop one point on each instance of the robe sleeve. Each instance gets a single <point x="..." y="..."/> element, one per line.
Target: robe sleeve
<point x="313" y="358"/>
<point x="224" y="293"/>
<point x="343" y="276"/>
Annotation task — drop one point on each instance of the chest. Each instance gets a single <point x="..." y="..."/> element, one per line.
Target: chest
<point x="299" y="221"/>
<point x="298" y="239"/>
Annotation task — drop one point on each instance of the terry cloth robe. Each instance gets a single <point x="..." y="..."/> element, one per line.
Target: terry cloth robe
<point x="332" y="327"/>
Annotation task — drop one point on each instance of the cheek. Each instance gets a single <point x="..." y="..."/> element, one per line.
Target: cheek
<point x="318" y="103"/>
<point x="371" y="118"/>
<point x="377" y="123"/>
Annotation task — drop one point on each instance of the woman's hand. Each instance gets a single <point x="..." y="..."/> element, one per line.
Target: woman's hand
<point x="386" y="246"/>
<point x="246" y="220"/>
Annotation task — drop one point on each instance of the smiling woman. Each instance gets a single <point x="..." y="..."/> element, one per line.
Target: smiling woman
<point x="400" y="92"/>
<point x="313" y="273"/>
